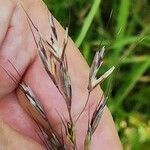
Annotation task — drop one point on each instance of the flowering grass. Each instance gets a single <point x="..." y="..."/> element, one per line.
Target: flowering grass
<point x="127" y="40"/>
<point x="53" y="56"/>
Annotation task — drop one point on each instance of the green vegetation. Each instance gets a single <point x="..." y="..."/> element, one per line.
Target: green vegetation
<point x="127" y="40"/>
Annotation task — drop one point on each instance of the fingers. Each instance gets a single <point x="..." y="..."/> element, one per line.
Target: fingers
<point x="10" y="139"/>
<point x="6" y="11"/>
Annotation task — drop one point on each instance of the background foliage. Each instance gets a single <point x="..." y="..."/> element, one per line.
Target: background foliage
<point x="127" y="41"/>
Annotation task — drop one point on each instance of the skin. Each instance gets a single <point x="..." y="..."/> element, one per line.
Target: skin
<point x="17" y="45"/>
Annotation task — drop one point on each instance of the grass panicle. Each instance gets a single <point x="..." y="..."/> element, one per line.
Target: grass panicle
<point x="126" y="38"/>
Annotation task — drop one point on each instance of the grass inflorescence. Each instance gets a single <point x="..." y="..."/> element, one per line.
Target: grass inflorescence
<point x="126" y="37"/>
<point x="55" y="62"/>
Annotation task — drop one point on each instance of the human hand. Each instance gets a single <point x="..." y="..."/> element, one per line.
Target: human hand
<point x="17" y="45"/>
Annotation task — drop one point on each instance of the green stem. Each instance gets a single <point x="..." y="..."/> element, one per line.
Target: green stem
<point x="87" y="22"/>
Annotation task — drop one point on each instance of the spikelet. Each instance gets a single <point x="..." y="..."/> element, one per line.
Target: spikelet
<point x="97" y="62"/>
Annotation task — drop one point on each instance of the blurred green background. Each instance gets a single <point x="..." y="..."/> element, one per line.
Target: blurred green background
<point x="127" y="40"/>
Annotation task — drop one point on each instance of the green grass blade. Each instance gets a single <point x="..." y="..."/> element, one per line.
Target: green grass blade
<point x="122" y="23"/>
<point x="122" y="18"/>
<point x="87" y="22"/>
